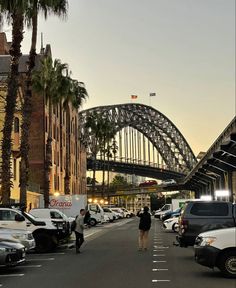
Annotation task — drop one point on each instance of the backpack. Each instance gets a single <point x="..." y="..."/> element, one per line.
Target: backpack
<point x="73" y="224"/>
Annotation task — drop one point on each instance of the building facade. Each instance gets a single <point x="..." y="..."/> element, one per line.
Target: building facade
<point x="65" y="137"/>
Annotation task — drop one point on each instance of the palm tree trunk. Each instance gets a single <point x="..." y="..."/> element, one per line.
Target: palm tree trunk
<point x="94" y="176"/>
<point x="94" y="157"/>
<point x="68" y="162"/>
<point x="48" y="159"/>
<point x="15" y="52"/>
<point x="26" y="116"/>
<point x="103" y="170"/>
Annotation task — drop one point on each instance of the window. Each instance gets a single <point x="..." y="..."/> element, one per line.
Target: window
<point x="54" y="131"/>
<point x="14" y="169"/>
<point x="55" y="215"/>
<point x="55" y="182"/>
<point x="94" y="208"/>
<point x="210" y="209"/>
<point x="16" y="125"/>
<point x="46" y="124"/>
<point x="7" y="215"/>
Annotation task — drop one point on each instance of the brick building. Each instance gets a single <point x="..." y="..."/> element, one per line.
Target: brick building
<point x="38" y="135"/>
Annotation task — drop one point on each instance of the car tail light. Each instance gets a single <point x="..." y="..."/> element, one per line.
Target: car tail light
<point x="183" y="224"/>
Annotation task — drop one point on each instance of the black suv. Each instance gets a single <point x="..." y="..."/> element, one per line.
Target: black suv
<point x="199" y="216"/>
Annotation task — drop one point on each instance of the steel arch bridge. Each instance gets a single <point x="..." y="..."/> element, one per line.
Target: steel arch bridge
<point x="145" y="137"/>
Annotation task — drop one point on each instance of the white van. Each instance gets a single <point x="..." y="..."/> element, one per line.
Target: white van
<point x="96" y="214"/>
<point x="70" y="205"/>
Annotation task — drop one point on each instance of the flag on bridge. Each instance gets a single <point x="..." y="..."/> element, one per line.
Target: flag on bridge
<point x="152" y="94"/>
<point x="134" y="96"/>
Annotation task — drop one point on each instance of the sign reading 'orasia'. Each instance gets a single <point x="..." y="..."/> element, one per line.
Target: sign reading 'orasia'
<point x="60" y="204"/>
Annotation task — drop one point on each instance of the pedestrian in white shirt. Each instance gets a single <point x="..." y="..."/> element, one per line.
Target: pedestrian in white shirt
<point x="79" y="230"/>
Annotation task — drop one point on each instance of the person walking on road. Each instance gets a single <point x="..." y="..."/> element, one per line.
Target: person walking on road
<point x="144" y="227"/>
<point x="79" y="230"/>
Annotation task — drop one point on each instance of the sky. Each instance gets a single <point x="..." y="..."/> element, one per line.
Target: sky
<point x="183" y="50"/>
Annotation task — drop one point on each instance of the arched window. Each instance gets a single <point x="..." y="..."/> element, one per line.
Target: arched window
<point x="16" y="125"/>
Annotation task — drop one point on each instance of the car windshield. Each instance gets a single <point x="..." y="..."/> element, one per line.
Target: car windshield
<point x="30" y="216"/>
<point x="177" y="210"/>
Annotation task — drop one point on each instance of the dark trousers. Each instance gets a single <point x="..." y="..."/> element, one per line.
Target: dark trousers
<point x="79" y="239"/>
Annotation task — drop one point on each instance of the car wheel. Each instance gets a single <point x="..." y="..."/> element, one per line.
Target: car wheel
<point x="175" y="227"/>
<point x="92" y="222"/>
<point x="227" y="263"/>
<point x="44" y="243"/>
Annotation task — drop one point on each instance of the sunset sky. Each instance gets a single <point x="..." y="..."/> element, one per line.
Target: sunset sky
<point x="183" y="50"/>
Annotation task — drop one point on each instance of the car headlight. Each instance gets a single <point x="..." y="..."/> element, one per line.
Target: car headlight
<point x="30" y="236"/>
<point x="10" y="249"/>
<point x="20" y="236"/>
<point x="168" y="221"/>
<point x="207" y="241"/>
<point x="58" y="225"/>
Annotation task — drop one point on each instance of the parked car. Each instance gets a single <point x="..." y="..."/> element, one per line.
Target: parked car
<point x="47" y="232"/>
<point x="110" y="214"/>
<point x="170" y="224"/>
<point x="148" y="183"/>
<point x="200" y="216"/>
<point x="22" y="236"/>
<point x="168" y="182"/>
<point x="12" y="253"/>
<point x="54" y="214"/>
<point x="119" y="211"/>
<point x="127" y="213"/>
<point x="106" y="218"/>
<point x="169" y="214"/>
<point x="217" y="248"/>
<point x="163" y="210"/>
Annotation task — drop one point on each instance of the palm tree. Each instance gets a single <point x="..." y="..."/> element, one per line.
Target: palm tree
<point x="13" y="11"/>
<point x="74" y="93"/>
<point x="59" y="8"/>
<point x="108" y="132"/>
<point x="48" y="82"/>
<point x="102" y="131"/>
<point x="94" y="125"/>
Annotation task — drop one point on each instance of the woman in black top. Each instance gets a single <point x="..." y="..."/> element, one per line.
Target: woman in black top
<point x="144" y="227"/>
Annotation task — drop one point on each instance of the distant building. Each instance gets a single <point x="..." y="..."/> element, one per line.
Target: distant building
<point x="39" y="133"/>
<point x="200" y="155"/>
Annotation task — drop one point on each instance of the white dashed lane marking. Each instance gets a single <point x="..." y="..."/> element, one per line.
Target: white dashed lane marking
<point x="41" y="259"/>
<point x="31" y="266"/>
<point x="155" y="269"/>
<point x="156" y="280"/>
<point x="159" y="261"/>
<point x="12" y="275"/>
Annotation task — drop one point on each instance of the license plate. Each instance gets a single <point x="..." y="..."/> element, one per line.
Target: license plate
<point x="23" y="254"/>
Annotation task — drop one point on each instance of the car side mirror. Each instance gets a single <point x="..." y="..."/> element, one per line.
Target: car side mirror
<point x="19" y="218"/>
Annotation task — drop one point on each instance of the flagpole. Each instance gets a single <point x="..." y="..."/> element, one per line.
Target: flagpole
<point x="151" y="95"/>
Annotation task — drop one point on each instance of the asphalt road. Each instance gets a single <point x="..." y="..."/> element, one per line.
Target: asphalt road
<point x="110" y="258"/>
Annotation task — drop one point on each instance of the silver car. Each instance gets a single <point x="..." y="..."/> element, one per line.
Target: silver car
<point x="12" y="253"/>
<point x="24" y="237"/>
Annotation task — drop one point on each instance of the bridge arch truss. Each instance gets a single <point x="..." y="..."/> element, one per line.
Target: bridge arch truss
<point x="136" y="122"/>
